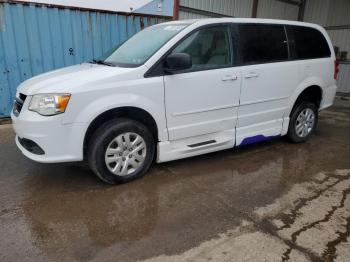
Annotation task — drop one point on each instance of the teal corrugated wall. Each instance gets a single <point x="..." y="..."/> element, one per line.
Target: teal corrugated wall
<point x="35" y="39"/>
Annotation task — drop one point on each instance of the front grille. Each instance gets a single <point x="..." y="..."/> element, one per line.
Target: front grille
<point x="18" y="104"/>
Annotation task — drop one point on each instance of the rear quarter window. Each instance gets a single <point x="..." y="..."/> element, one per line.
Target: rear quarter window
<point x="307" y="43"/>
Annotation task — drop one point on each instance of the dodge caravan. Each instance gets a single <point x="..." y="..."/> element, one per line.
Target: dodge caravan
<point x="176" y="90"/>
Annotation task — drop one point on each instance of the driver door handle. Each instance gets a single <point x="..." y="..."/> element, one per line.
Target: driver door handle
<point x="229" y="78"/>
<point x="251" y="75"/>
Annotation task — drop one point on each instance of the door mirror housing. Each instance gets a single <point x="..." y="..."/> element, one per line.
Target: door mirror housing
<point x="177" y="62"/>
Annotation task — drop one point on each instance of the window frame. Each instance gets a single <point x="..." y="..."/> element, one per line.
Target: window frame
<point x="158" y="68"/>
<point x="239" y="47"/>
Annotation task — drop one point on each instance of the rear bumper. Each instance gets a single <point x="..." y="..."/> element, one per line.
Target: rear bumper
<point x="328" y="96"/>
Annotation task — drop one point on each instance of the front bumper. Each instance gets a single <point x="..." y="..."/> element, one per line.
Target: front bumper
<point x="60" y="143"/>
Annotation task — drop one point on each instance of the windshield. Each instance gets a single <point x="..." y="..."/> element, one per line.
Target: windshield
<point x="139" y="48"/>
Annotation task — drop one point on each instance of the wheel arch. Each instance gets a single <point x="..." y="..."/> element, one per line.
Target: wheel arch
<point x="311" y="93"/>
<point x="131" y="112"/>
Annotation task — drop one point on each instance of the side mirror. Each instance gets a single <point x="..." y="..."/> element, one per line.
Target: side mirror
<point x="177" y="62"/>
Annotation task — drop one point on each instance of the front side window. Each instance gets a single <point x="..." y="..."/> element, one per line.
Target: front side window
<point x="307" y="43"/>
<point x="260" y="43"/>
<point x="209" y="48"/>
<point x="139" y="48"/>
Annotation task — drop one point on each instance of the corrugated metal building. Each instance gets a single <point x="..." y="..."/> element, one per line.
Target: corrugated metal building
<point x="36" y="38"/>
<point x="334" y="15"/>
<point x="214" y="8"/>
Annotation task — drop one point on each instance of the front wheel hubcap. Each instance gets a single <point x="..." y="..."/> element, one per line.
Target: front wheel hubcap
<point x="125" y="154"/>
<point x="305" y="122"/>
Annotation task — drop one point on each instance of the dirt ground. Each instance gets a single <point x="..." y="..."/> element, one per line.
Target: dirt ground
<point x="274" y="201"/>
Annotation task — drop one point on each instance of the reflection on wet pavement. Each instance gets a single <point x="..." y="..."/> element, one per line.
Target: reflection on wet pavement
<point x="309" y="222"/>
<point x="273" y="201"/>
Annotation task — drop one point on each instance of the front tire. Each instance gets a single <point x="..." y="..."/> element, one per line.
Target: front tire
<point x="303" y="122"/>
<point x="121" y="150"/>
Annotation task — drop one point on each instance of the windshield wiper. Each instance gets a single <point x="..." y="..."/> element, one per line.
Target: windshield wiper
<point x="101" y="62"/>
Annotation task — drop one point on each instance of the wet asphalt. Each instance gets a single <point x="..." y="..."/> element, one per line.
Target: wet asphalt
<point x="274" y="201"/>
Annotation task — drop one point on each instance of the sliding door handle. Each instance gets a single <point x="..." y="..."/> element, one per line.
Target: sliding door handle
<point x="251" y="75"/>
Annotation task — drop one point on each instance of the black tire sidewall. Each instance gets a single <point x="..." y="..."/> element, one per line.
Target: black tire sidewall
<point x="102" y="138"/>
<point x="294" y="115"/>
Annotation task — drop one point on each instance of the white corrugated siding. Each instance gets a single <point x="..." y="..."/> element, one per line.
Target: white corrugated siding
<point x="327" y="12"/>
<point x="339" y="13"/>
<point x="316" y="11"/>
<point x="277" y="10"/>
<point x="341" y="38"/>
<point x="225" y="7"/>
<point x="243" y="8"/>
<point x="183" y="15"/>
<point x="343" y="81"/>
<point x="235" y="8"/>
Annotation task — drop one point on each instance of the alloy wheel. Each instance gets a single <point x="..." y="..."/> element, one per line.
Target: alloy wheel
<point x="305" y="122"/>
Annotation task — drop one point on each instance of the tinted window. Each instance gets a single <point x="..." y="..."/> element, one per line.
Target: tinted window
<point x="209" y="48"/>
<point x="307" y="43"/>
<point x="262" y="43"/>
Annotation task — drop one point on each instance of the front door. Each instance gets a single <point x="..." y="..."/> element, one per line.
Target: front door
<point x="204" y="99"/>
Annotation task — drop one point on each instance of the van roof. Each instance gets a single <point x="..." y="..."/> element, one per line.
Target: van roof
<point x="243" y="20"/>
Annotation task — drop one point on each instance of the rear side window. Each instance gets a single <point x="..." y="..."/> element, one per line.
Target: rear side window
<point x="209" y="48"/>
<point x="260" y="43"/>
<point x="307" y="43"/>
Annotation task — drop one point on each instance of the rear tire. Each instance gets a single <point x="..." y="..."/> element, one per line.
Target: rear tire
<point x="121" y="150"/>
<point x="303" y="122"/>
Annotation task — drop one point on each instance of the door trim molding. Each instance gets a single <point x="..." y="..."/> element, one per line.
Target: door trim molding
<point x="205" y="110"/>
<point x="264" y="100"/>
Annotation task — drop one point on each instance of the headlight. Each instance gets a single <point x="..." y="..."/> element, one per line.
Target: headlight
<point x="49" y="104"/>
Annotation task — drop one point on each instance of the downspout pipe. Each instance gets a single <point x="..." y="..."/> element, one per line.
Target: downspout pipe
<point x="255" y="8"/>
<point x="176" y="9"/>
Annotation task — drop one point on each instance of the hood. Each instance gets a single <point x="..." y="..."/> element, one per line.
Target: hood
<point x="69" y="79"/>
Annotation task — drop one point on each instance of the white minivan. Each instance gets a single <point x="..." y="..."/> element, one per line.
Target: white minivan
<point x="176" y="90"/>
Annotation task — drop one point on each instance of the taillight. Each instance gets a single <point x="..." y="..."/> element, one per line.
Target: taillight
<point x="336" y="69"/>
